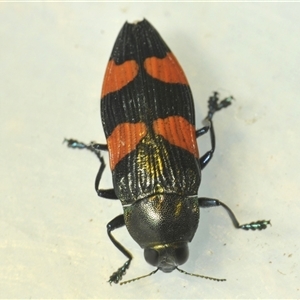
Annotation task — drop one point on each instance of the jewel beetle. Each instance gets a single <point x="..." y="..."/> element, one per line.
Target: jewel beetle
<point x="148" y="116"/>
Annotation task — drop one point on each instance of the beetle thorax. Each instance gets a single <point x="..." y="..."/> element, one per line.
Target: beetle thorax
<point x="162" y="219"/>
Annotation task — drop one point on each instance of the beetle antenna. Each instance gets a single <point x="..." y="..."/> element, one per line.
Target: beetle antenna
<point x="202" y="276"/>
<point x="137" y="278"/>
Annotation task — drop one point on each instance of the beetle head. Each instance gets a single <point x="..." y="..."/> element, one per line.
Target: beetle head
<point x="167" y="257"/>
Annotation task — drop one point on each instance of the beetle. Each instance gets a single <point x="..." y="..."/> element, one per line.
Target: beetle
<point x="148" y="116"/>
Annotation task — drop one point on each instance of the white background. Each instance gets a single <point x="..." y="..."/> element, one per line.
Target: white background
<point x="53" y="241"/>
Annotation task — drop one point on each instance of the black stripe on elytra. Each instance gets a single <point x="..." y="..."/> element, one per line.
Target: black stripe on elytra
<point x="146" y="99"/>
<point x="137" y="42"/>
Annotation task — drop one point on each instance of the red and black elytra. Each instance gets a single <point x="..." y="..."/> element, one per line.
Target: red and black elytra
<point x="148" y="117"/>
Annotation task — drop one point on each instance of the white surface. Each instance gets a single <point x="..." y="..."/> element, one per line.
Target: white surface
<point x="53" y="240"/>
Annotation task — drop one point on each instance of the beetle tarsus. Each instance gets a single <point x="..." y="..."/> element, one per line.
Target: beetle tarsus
<point x="92" y="146"/>
<point x="71" y="143"/>
<point x="258" y="225"/>
<point x="117" y="276"/>
<point x="214" y="104"/>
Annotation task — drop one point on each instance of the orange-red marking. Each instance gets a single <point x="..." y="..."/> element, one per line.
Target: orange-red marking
<point x="117" y="76"/>
<point x="165" y="69"/>
<point x="123" y="140"/>
<point x="179" y="132"/>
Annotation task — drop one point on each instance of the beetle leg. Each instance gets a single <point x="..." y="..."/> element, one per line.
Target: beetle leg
<point x="202" y="131"/>
<point x="205" y="159"/>
<point x="213" y="106"/>
<point x="208" y="202"/>
<point x="104" y="193"/>
<point x="116" y="223"/>
<point x="96" y="149"/>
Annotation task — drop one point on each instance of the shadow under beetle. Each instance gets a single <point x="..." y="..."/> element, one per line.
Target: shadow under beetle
<point x="148" y="117"/>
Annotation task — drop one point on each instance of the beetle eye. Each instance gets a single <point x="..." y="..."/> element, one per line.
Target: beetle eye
<point x="182" y="255"/>
<point x="151" y="256"/>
